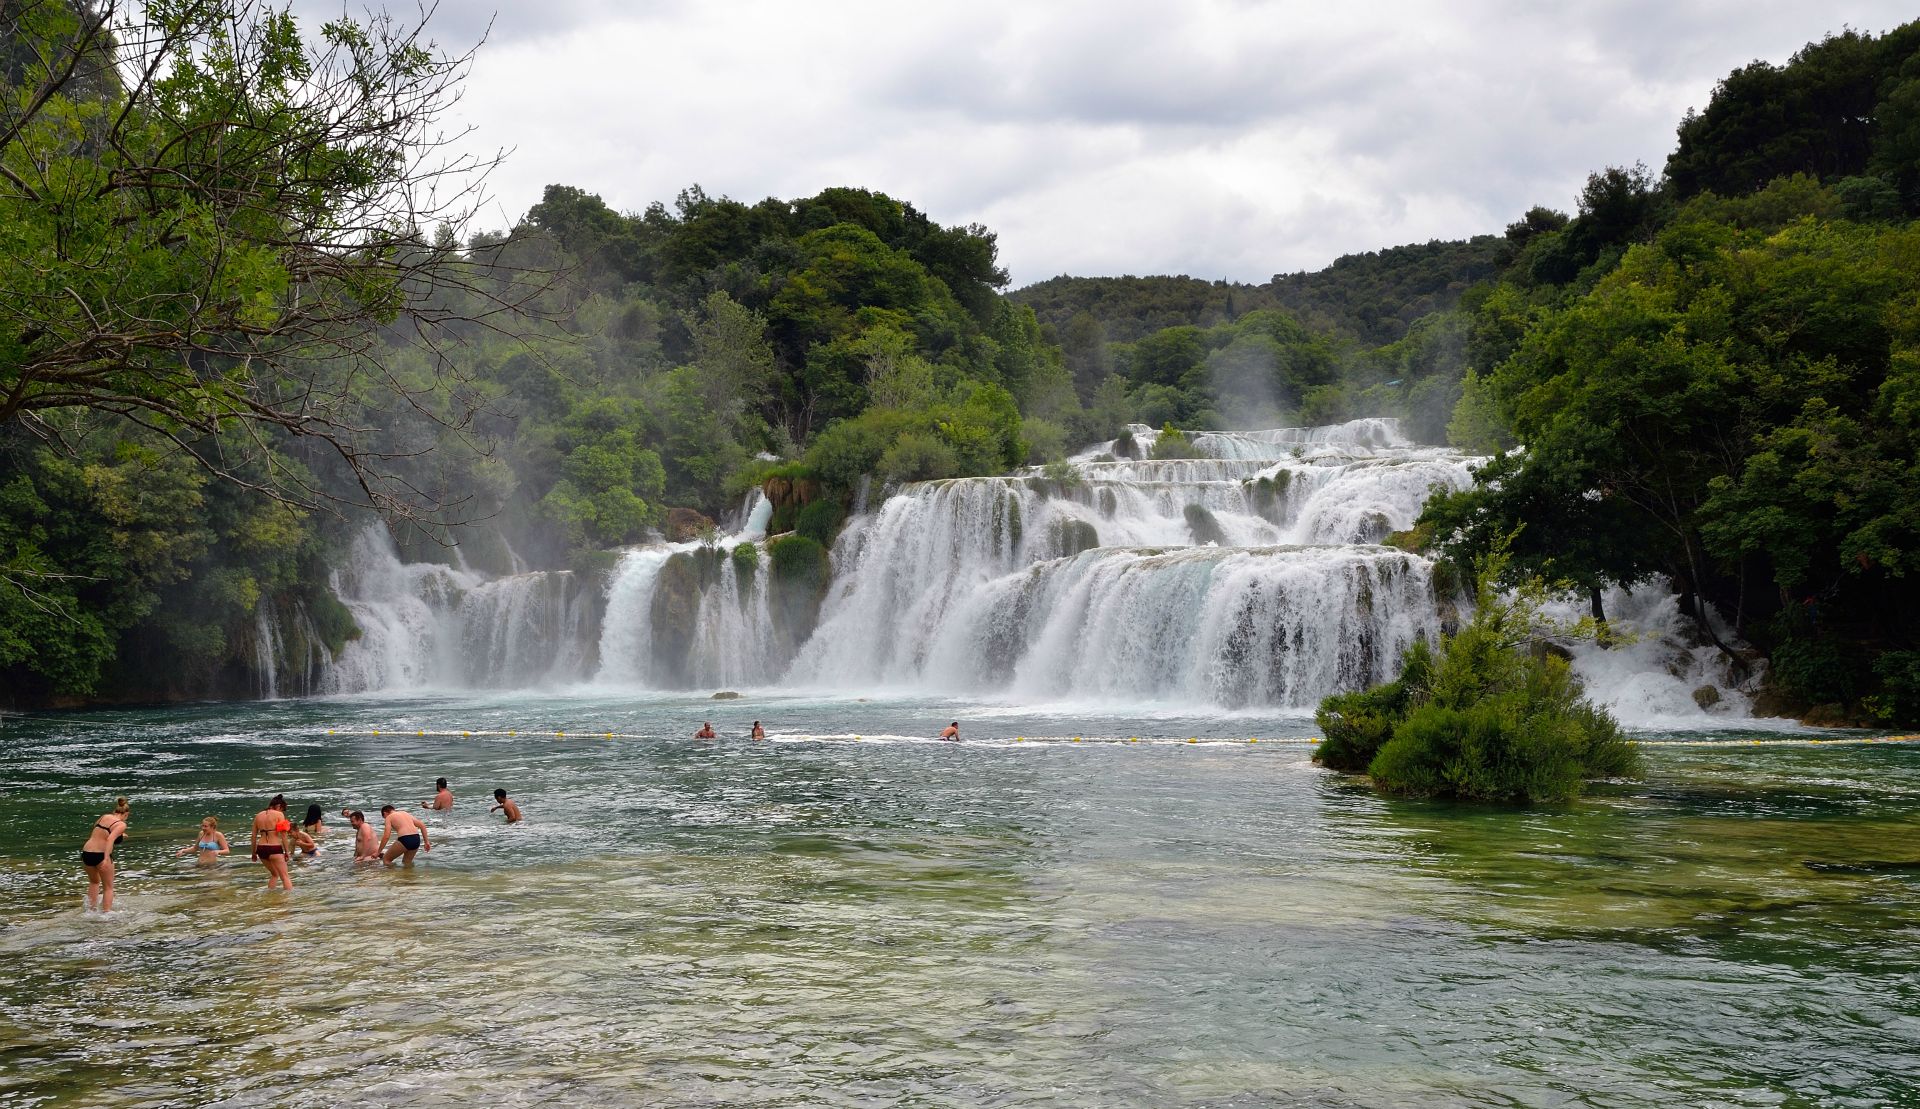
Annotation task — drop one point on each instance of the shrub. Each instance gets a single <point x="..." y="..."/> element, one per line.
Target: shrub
<point x="820" y="521"/>
<point x="917" y="456"/>
<point x="1483" y="719"/>
<point x="1046" y="441"/>
<point x="746" y="561"/>
<point x="1173" y="443"/>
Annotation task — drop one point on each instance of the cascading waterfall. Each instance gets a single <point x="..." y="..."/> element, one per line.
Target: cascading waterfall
<point x="1249" y="577"/>
<point x="424" y="625"/>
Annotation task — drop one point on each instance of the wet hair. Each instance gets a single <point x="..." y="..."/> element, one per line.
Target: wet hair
<point x="955" y="724"/>
<point x="279" y="802"/>
<point x="120" y="806"/>
<point x="499" y="795"/>
<point x="385" y="809"/>
<point x="439" y="783"/>
<point x="357" y="815"/>
<point x="209" y="822"/>
<point x="313" y="815"/>
<point x="756" y="723"/>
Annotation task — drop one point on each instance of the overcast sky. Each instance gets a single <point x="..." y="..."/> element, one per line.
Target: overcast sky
<point x="1218" y="138"/>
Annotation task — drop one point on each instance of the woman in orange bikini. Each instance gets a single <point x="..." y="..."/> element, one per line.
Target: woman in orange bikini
<point x="269" y="840"/>
<point x="96" y="855"/>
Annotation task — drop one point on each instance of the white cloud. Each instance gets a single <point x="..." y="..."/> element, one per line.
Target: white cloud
<point x="1221" y="138"/>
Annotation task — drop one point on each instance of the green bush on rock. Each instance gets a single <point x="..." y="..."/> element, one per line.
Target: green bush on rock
<point x="1482" y="719"/>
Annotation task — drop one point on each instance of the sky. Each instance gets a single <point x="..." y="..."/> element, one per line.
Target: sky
<point x="1218" y="138"/>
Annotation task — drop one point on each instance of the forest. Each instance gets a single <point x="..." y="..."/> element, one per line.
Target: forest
<point x="1709" y="373"/>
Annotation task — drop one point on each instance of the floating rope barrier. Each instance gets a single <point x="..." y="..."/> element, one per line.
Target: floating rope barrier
<point x="1215" y="741"/>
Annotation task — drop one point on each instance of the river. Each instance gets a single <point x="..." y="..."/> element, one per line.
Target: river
<point x="850" y="914"/>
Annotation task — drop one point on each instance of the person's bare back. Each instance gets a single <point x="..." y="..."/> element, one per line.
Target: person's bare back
<point x="442" y="797"/>
<point x="506" y="805"/>
<point x="408" y="833"/>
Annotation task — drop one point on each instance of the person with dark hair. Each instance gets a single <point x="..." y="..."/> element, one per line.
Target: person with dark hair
<point x="313" y="825"/>
<point x="706" y="731"/>
<point x="410" y="832"/>
<point x="96" y="855"/>
<point x="268" y="840"/>
<point x="503" y="804"/>
<point x="758" y="731"/>
<point x="951" y="732"/>
<point x="365" y="850"/>
<point x="442" y="797"/>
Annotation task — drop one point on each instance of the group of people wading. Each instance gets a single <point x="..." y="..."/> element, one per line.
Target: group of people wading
<point x="274" y="838"/>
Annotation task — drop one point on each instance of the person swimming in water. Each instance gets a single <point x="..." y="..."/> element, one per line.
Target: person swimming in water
<point x="211" y="844"/>
<point x="503" y="804"/>
<point x="411" y="832"/>
<point x="951" y="732"/>
<point x="365" y="849"/>
<point x="758" y="731"/>
<point x="442" y="797"/>
<point x="706" y="731"/>
<point x="314" y="824"/>
<point x="96" y="855"/>
<point x="268" y="841"/>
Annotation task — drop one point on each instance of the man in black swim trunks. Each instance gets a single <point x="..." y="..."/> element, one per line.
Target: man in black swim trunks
<point x="412" y="836"/>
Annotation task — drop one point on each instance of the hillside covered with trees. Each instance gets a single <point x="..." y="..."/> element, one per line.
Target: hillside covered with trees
<point x="1706" y="373"/>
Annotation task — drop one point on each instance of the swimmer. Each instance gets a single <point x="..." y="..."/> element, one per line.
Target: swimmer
<point x="298" y="837"/>
<point x="96" y="855"/>
<point x="951" y="732"/>
<point x="211" y="843"/>
<point x="268" y="841"/>
<point x="442" y="797"/>
<point x="706" y="731"/>
<point x="313" y="825"/>
<point x="758" y="731"/>
<point x="365" y="850"/>
<point x="412" y="836"/>
<point x="512" y="810"/>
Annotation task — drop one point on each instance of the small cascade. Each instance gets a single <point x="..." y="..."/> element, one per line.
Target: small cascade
<point x="288" y="653"/>
<point x="691" y="616"/>
<point x="428" y="625"/>
<point x="1668" y="675"/>
<point x="267" y="648"/>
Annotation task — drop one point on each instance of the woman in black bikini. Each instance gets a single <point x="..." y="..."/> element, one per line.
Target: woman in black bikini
<point x="269" y="840"/>
<point x="96" y="855"/>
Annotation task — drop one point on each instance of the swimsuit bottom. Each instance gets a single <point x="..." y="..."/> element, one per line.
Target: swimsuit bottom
<point x="267" y="849"/>
<point x="411" y="843"/>
<point x="92" y="858"/>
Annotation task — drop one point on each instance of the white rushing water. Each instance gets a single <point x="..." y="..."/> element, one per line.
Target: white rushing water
<point x="1251" y="577"/>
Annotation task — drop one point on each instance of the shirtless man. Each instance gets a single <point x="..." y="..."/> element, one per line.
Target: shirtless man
<point x="412" y="836"/>
<point x="706" y="731"/>
<point x="951" y="732"/>
<point x="758" y="731"/>
<point x="268" y="839"/>
<point x="512" y="810"/>
<point x="365" y="849"/>
<point x="442" y="797"/>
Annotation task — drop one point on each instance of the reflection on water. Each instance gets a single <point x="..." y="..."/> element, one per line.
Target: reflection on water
<point x="899" y="921"/>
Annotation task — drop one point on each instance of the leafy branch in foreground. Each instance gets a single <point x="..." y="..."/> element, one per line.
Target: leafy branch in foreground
<point x="209" y="224"/>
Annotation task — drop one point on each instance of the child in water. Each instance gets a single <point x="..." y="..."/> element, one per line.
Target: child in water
<point x="211" y="844"/>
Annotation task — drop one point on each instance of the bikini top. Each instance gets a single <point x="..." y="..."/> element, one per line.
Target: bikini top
<point x="209" y="845"/>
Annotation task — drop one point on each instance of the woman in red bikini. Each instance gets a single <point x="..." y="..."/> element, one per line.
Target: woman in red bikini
<point x="96" y="855"/>
<point x="269" y="840"/>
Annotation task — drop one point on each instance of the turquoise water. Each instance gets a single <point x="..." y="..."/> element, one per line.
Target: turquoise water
<point x="821" y="919"/>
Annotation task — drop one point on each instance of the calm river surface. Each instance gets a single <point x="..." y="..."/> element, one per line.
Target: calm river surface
<point x="824" y="920"/>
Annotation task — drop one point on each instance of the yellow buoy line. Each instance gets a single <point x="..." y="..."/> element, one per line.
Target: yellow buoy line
<point x="588" y="733"/>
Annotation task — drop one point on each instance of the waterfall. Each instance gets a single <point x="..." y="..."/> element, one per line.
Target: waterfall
<point x="1252" y="576"/>
<point x="1246" y="578"/>
<point x="426" y="625"/>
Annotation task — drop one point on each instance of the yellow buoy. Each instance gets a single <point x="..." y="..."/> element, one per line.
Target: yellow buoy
<point x="609" y="735"/>
<point x="1193" y="739"/>
<point x="466" y="733"/>
<point x="329" y="731"/>
<point x="420" y="733"/>
<point x="1253" y="741"/>
<point x="559" y="733"/>
<point x="1076" y="739"/>
<point x="376" y="731"/>
<point x="513" y="733"/>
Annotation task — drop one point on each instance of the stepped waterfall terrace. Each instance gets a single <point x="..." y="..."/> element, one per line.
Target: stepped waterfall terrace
<point x="1251" y="577"/>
